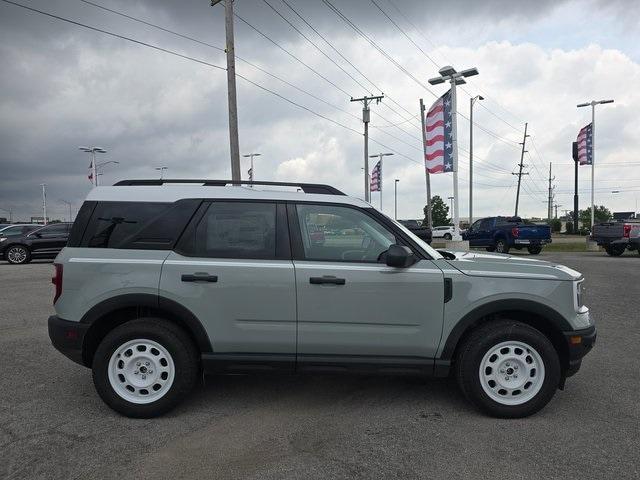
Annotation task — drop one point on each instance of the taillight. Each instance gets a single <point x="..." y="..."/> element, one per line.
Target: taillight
<point x="57" y="281"/>
<point x="626" y="231"/>
<point x="515" y="231"/>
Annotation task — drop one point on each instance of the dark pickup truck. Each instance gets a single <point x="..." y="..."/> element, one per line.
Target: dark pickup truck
<point x="419" y="230"/>
<point x="500" y="234"/>
<point x="616" y="237"/>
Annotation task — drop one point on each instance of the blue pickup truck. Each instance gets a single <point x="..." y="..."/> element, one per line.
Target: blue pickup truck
<point x="500" y="234"/>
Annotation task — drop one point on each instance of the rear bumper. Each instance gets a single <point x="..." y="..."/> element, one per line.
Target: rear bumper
<point x="579" y="342"/>
<point x="67" y="337"/>
<point x="532" y="241"/>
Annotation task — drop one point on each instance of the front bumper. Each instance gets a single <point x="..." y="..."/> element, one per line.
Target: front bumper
<point x="67" y="337"/>
<point x="579" y="342"/>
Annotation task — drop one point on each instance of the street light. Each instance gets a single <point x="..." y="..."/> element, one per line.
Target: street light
<point x="593" y="104"/>
<point x="471" y="102"/>
<point x="94" y="169"/>
<point x="454" y="77"/>
<point x="250" y="172"/>
<point x="379" y="155"/>
<point x="69" y="205"/>
<point x="161" y="170"/>
<point x="395" y="203"/>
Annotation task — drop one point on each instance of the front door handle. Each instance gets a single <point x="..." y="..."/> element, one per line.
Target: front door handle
<point x="199" y="277"/>
<point x="327" y="279"/>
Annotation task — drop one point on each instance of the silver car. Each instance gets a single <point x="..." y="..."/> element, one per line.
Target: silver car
<point x="162" y="280"/>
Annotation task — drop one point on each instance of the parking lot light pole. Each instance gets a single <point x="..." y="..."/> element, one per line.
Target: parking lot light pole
<point x="454" y="78"/>
<point x="94" y="168"/>
<point x="471" y="102"/>
<point x="44" y="203"/>
<point x="161" y="170"/>
<point x="395" y="200"/>
<point x="593" y="104"/>
<point x="251" y="171"/>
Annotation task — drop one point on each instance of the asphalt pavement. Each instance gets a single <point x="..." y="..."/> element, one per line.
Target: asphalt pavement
<point x="53" y="425"/>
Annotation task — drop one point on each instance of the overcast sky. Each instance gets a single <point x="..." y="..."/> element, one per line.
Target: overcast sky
<point x="63" y="85"/>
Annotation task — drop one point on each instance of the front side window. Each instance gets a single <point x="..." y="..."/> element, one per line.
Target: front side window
<point x="237" y="230"/>
<point x="338" y="233"/>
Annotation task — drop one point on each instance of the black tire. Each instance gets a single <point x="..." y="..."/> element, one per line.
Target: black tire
<point x="615" y="250"/>
<point x="490" y="249"/>
<point x="481" y="341"/>
<point x="17" y="251"/>
<point x="535" y="249"/>
<point x="447" y="236"/>
<point x="501" y="246"/>
<point x="172" y="338"/>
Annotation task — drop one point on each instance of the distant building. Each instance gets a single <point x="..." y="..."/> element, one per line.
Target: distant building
<point x="38" y="220"/>
<point x="623" y="215"/>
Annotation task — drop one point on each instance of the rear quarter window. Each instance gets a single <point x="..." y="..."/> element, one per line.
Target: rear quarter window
<point x="137" y="225"/>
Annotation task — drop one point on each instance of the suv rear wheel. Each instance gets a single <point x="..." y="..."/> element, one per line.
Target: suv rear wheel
<point x="145" y="367"/>
<point x="18" y="254"/>
<point x="508" y="369"/>
<point x="615" y="250"/>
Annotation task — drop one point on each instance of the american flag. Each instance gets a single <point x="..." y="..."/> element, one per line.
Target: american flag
<point x="585" y="145"/>
<point x="376" y="178"/>
<point x="438" y="155"/>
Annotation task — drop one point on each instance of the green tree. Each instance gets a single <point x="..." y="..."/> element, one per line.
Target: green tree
<point x="439" y="212"/>
<point x="602" y="214"/>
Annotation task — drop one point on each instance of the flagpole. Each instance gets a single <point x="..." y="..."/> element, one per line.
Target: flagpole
<point x="454" y="141"/>
<point x="593" y="161"/>
<point x="426" y="170"/>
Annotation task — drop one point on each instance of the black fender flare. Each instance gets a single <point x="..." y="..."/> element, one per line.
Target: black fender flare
<point x="471" y="319"/>
<point x="190" y="321"/>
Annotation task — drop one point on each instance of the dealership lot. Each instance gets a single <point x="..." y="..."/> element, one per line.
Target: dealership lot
<point x="53" y="425"/>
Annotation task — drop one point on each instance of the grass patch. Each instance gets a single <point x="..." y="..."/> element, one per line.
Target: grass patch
<point x="566" y="247"/>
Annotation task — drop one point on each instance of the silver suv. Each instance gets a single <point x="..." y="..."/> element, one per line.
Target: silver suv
<point x="164" y="280"/>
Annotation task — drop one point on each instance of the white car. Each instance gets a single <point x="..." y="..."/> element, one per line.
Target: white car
<point x="445" y="231"/>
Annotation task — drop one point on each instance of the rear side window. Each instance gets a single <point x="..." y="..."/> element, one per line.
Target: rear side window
<point x="138" y="225"/>
<point x="237" y="230"/>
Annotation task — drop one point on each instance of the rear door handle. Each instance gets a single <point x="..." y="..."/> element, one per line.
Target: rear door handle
<point x="199" y="277"/>
<point x="327" y="279"/>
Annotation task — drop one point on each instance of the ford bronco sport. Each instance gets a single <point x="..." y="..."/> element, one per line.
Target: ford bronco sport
<point x="164" y="280"/>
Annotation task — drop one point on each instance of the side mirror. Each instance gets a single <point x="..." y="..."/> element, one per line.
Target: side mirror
<point x="399" y="256"/>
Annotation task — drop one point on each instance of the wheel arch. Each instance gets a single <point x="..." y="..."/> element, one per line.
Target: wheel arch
<point x="537" y="315"/>
<point x="113" y="312"/>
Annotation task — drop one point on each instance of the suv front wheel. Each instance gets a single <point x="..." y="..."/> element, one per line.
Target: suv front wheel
<point x="508" y="369"/>
<point x="145" y="367"/>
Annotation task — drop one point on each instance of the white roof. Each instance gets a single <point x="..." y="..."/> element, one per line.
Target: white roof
<point x="173" y="192"/>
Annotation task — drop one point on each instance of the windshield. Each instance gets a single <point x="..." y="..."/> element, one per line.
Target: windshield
<point x="424" y="245"/>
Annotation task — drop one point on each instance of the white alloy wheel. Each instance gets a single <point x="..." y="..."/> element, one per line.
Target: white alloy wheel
<point x="511" y="373"/>
<point x="17" y="254"/>
<point x="141" y="371"/>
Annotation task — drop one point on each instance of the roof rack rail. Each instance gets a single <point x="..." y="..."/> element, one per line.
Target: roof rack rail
<point x="316" y="188"/>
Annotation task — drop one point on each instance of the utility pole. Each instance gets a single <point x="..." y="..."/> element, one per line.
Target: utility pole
<point x="234" y="143"/>
<point x="550" y="201"/>
<point x="451" y="199"/>
<point x="471" y="102"/>
<point x="521" y="165"/>
<point x="454" y="78"/>
<point x="575" y="193"/>
<point x="593" y="104"/>
<point x="555" y="205"/>
<point x="366" y="116"/>
<point x="44" y="203"/>
<point x="395" y="199"/>
<point x="426" y="170"/>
